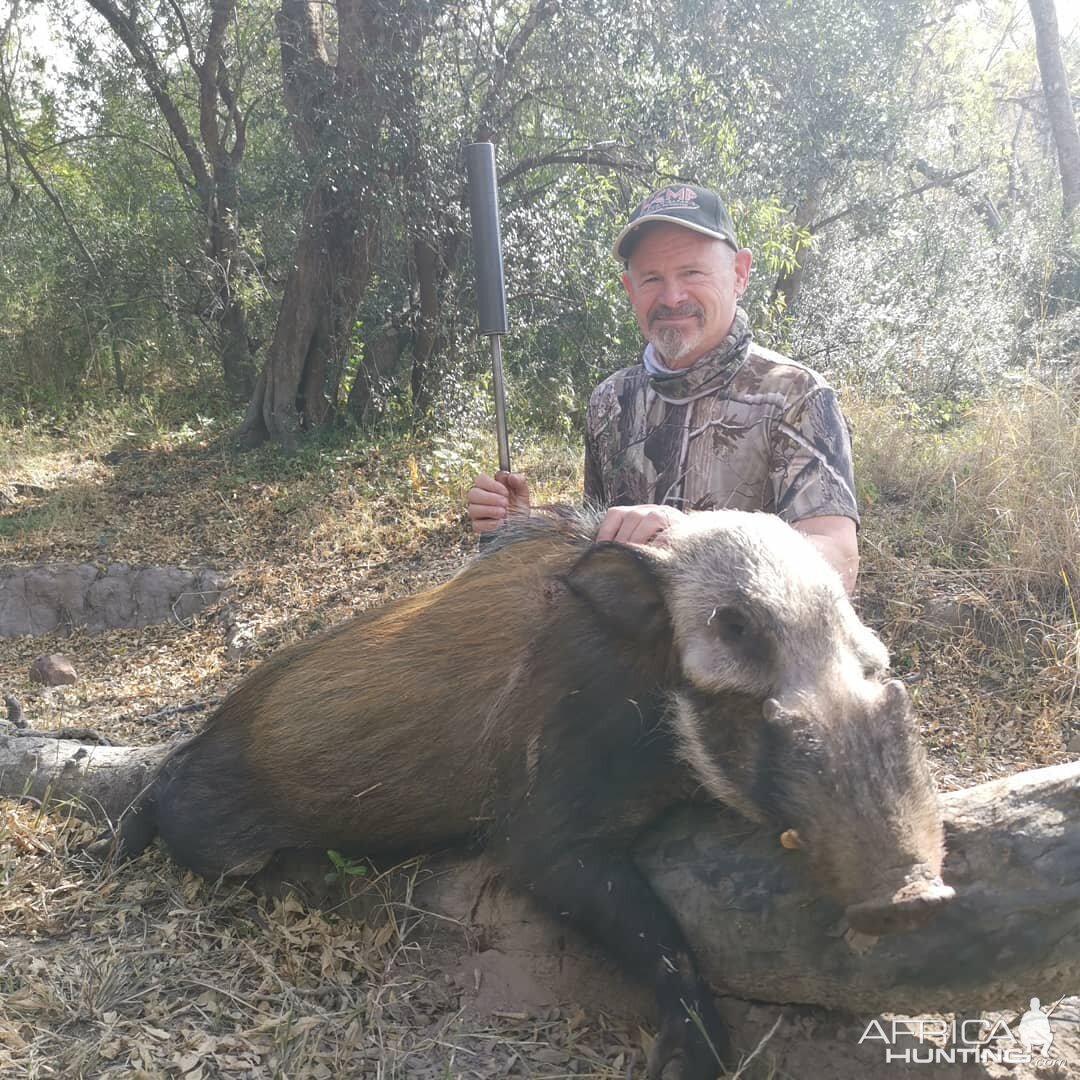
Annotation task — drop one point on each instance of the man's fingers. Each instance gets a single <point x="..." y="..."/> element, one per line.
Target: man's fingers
<point x="482" y="512"/>
<point x="640" y="529"/>
<point x="633" y="525"/>
<point x="479" y="497"/>
<point x="492" y="484"/>
<point x="646" y="529"/>
<point x="487" y="513"/>
<point x="609" y="526"/>
<point x="485" y="518"/>
<point x="492" y="499"/>
<point x="515" y="483"/>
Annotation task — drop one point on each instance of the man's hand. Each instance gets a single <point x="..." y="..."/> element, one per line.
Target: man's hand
<point x="645" y="524"/>
<point x="492" y="499"/>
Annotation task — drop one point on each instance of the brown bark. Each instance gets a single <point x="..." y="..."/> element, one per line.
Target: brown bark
<point x="334" y="108"/>
<point x="761" y="931"/>
<point x="329" y="274"/>
<point x="789" y="282"/>
<point x="1059" y="107"/>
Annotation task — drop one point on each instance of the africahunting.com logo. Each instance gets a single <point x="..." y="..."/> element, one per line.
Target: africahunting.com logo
<point x="976" y="1040"/>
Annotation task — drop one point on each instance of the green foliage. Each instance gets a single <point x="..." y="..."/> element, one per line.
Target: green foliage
<point x="346" y="867"/>
<point x="127" y="307"/>
<point x="910" y="289"/>
<point x="936" y="292"/>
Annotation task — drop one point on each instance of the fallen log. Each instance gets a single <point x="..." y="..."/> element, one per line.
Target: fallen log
<point x="1013" y="931"/>
<point x="761" y="932"/>
<point x="100" y="780"/>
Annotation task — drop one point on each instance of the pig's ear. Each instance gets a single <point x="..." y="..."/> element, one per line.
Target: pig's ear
<point x="621" y="587"/>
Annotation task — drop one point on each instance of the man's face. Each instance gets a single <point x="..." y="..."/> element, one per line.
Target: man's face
<point x="683" y="287"/>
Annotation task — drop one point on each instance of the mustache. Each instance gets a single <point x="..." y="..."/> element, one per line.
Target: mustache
<point x="662" y="311"/>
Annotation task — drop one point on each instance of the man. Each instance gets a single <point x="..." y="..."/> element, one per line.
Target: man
<point x="708" y="419"/>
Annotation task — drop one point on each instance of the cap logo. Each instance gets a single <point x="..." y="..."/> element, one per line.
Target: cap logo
<point x="669" y="198"/>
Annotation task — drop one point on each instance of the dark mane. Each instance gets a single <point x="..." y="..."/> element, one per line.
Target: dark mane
<point x="573" y="524"/>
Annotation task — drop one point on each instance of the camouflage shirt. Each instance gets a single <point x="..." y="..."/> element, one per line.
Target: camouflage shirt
<point x="742" y="428"/>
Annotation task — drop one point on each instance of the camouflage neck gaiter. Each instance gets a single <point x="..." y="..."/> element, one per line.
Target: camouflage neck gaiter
<point x="706" y="375"/>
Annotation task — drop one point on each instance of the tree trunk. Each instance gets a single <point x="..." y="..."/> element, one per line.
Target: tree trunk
<point x="336" y="111"/>
<point x="313" y="331"/>
<point x="225" y="254"/>
<point x="1012" y="933"/>
<point x="789" y="282"/>
<point x="235" y="349"/>
<point x="1059" y="107"/>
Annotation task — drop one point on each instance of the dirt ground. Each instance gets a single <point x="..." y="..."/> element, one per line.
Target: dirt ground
<point x="146" y="971"/>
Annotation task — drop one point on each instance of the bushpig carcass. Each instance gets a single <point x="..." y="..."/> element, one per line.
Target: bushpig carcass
<point x="554" y="698"/>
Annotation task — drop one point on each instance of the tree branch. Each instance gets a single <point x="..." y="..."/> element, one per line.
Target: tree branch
<point x="539" y="13"/>
<point x="208" y="72"/>
<point x="185" y="33"/>
<point x="599" y="155"/>
<point x="155" y="79"/>
<point x="238" y="118"/>
<point x="866" y="205"/>
<point x="10" y="134"/>
<point x="87" y="136"/>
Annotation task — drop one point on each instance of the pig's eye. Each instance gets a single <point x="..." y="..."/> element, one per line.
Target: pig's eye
<point x="735" y="630"/>
<point x="729" y="624"/>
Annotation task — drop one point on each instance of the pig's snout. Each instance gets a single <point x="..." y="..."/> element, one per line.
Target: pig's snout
<point x="921" y="897"/>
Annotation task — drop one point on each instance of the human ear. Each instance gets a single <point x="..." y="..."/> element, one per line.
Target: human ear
<point x="743" y="261"/>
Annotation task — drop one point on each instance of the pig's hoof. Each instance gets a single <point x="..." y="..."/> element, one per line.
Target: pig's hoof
<point x="681" y="1052"/>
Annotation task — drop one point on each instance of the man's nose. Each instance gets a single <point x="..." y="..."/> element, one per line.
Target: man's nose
<point x="672" y="292"/>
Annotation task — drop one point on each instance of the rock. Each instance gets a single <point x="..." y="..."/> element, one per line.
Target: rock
<point x="240" y="638"/>
<point x="53" y="670"/>
<point x="1074" y="745"/>
<point x="44" y="599"/>
<point x="10" y="493"/>
<point x="15" y="715"/>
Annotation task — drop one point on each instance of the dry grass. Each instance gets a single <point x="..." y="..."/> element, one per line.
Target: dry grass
<point x="145" y="971"/>
<point x="998" y="491"/>
<point x="971" y="570"/>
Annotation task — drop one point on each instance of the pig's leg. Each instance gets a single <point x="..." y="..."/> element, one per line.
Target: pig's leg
<point x="214" y="816"/>
<point x="601" y="891"/>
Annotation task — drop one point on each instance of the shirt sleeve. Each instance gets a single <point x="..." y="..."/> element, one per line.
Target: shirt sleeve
<point x="594" y="479"/>
<point x="811" y="471"/>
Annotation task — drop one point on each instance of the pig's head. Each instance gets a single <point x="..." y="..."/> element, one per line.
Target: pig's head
<point x="783" y="711"/>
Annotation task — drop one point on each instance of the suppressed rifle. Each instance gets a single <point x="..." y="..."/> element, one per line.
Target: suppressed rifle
<point x="490" y="286"/>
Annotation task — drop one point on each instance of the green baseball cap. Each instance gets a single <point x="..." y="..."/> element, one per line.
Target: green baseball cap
<point x="692" y="207"/>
